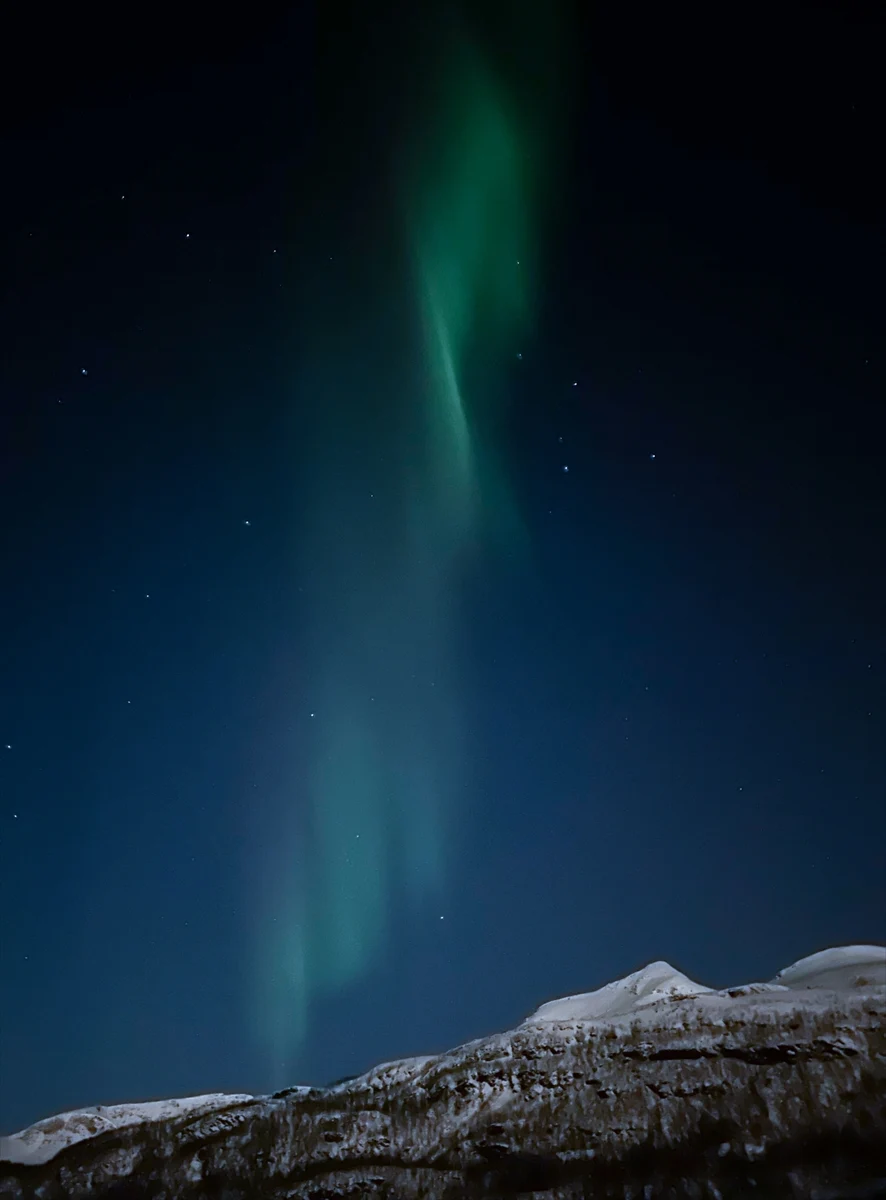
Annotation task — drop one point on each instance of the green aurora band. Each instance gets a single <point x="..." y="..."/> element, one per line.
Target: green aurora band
<point x="373" y="833"/>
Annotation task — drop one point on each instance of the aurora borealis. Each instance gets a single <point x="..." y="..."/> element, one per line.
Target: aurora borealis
<point x="385" y="777"/>
<point x="443" y="558"/>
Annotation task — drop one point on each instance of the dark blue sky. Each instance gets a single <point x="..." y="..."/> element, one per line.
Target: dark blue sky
<point x="672" y="705"/>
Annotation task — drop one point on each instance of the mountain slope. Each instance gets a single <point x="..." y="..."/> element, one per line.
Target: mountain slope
<point x="652" y="1082"/>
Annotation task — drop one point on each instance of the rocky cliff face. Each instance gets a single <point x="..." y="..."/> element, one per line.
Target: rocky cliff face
<point x="651" y="1086"/>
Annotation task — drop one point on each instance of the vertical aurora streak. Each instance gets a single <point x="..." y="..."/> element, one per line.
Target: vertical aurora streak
<point x="373" y="836"/>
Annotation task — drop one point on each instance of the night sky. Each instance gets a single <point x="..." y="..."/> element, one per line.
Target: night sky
<point x="443" y="558"/>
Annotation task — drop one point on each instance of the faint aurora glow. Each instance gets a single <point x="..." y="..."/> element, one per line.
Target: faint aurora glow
<point x="375" y="822"/>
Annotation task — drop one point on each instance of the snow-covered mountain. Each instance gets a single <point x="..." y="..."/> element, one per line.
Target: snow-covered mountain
<point x="41" y="1142"/>
<point x="841" y="967"/>
<point x="650" y="1082"/>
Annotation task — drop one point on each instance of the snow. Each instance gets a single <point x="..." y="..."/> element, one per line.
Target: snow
<point x="840" y="967"/>
<point x="386" y="1074"/>
<point x="836" y="970"/>
<point x="41" y="1142"/>
<point x="659" y="981"/>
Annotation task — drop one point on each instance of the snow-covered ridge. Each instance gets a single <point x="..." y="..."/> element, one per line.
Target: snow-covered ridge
<point x="650" y="994"/>
<point x="834" y="970"/>
<point x="41" y="1142"/>
<point x="658" y="981"/>
<point x="843" y="967"/>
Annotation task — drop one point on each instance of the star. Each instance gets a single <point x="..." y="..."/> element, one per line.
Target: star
<point x="83" y="371"/>
<point x="247" y="522"/>
<point x="565" y="470"/>
<point x="651" y="456"/>
<point x="8" y="747"/>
